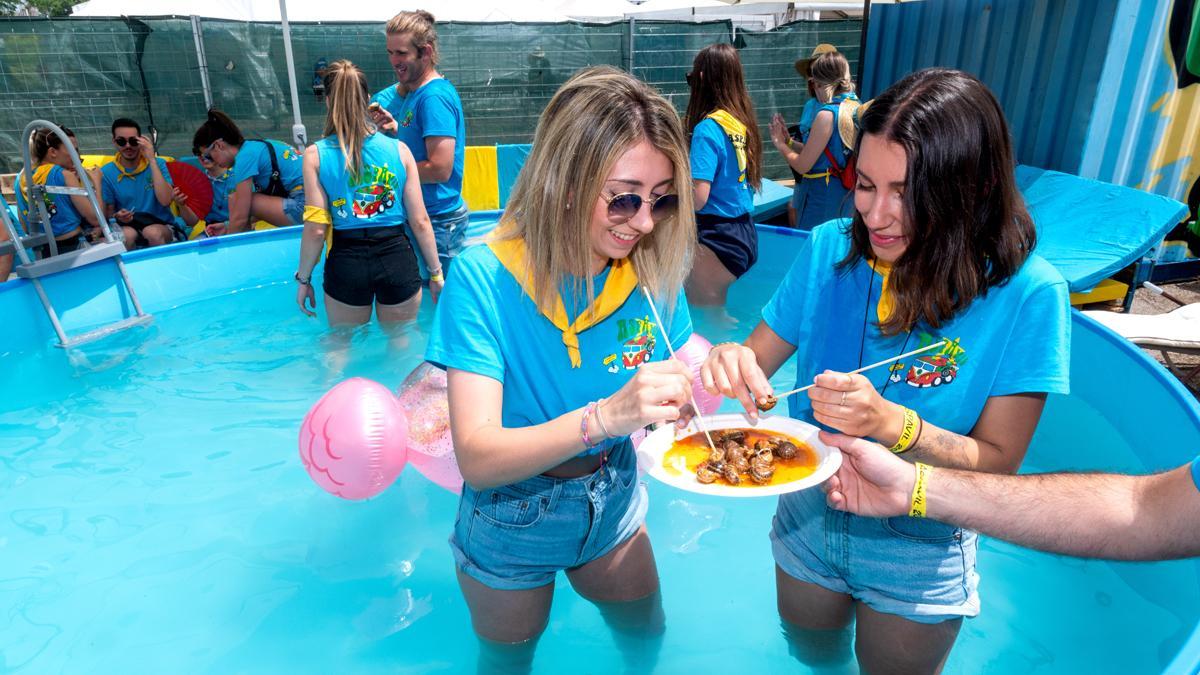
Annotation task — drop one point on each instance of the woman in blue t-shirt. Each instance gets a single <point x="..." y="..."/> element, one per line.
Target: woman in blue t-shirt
<point x="726" y="162"/>
<point x="940" y="255"/>
<point x="555" y="357"/>
<point x="69" y="214"/>
<point x="265" y="181"/>
<point x="825" y="148"/>
<point x="364" y="185"/>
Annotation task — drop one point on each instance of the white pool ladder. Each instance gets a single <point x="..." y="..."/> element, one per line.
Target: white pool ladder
<point x="111" y="249"/>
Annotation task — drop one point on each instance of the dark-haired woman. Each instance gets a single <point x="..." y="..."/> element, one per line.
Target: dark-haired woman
<point x="365" y="186"/>
<point x="940" y="252"/>
<point x="265" y="181"/>
<point x="69" y="214"/>
<point x="726" y="161"/>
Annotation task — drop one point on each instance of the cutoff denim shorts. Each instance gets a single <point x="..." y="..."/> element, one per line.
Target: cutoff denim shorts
<point x="918" y="569"/>
<point x="519" y="536"/>
<point x="293" y="206"/>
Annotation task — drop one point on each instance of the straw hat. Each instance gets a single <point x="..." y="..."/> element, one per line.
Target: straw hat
<point x="802" y="65"/>
<point x="848" y="112"/>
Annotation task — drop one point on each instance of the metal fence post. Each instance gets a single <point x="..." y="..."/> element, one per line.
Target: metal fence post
<point x="202" y="60"/>
<point x="631" y="35"/>
<point x="299" y="134"/>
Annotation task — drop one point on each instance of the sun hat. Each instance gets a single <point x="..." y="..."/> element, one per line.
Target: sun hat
<point x="802" y="65"/>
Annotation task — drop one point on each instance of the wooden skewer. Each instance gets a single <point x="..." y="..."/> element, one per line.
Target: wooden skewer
<point x="699" y="418"/>
<point x="865" y="368"/>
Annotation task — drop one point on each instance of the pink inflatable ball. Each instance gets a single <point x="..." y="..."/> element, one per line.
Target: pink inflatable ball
<point x="430" y="447"/>
<point x="354" y="441"/>
<point x="693" y="352"/>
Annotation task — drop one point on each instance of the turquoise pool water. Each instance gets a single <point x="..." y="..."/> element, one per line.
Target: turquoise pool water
<point x="155" y="517"/>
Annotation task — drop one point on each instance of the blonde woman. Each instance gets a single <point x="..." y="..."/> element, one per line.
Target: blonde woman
<point x="822" y="154"/>
<point x="554" y="356"/>
<point x="365" y="186"/>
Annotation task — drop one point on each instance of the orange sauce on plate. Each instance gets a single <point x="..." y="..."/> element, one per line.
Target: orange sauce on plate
<point x="686" y="454"/>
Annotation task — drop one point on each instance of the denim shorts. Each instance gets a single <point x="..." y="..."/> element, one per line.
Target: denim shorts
<point x="918" y="569"/>
<point x="450" y="233"/>
<point x="293" y="206"/>
<point x="519" y="536"/>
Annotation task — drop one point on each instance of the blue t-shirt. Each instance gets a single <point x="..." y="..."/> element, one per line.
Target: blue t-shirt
<point x="63" y="216"/>
<point x="219" y="212"/>
<point x="434" y="109"/>
<point x="807" y="115"/>
<point x="485" y="324"/>
<point x="134" y="192"/>
<point x="375" y="198"/>
<point x="713" y="160"/>
<point x="1196" y="472"/>
<point x="254" y="163"/>
<point x="835" y="145"/>
<point x="1014" y="340"/>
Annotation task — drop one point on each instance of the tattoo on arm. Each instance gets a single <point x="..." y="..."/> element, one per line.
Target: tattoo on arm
<point x="943" y="448"/>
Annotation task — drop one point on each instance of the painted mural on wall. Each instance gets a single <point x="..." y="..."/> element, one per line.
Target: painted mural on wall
<point x="1180" y="107"/>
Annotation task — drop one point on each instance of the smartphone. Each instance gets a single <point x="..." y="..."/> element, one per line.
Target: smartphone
<point x="374" y="106"/>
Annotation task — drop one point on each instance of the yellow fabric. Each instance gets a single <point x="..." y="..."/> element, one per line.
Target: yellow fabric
<point x="736" y="131"/>
<point x="197" y="229"/>
<point x="481" y="178"/>
<point x="316" y="214"/>
<point x="823" y="174"/>
<point x="621" y="282"/>
<point x="95" y="161"/>
<point x="122" y="174"/>
<point x="887" y="302"/>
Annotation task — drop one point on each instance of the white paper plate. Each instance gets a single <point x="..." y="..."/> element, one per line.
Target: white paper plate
<point x="658" y="442"/>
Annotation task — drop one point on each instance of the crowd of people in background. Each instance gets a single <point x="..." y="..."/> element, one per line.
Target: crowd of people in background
<point x="623" y="208"/>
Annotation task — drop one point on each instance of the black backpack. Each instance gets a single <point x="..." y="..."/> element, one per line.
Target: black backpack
<point x="275" y="187"/>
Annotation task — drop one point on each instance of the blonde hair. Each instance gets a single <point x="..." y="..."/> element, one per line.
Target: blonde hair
<point x="419" y="26"/>
<point x="830" y="74"/>
<point x="346" y="89"/>
<point x="592" y="120"/>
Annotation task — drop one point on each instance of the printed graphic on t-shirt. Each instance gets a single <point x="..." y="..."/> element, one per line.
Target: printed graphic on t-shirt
<point x="931" y="369"/>
<point x="637" y="344"/>
<point x="408" y="118"/>
<point x="374" y="195"/>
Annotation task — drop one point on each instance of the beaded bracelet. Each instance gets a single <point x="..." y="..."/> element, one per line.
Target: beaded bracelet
<point x="583" y="425"/>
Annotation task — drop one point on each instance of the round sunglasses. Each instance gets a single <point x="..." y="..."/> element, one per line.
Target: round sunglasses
<point x="625" y="205"/>
<point x="121" y="141"/>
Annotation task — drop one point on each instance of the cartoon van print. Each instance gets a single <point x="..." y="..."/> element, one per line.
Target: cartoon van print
<point x="370" y="200"/>
<point x="931" y="371"/>
<point x="636" y="351"/>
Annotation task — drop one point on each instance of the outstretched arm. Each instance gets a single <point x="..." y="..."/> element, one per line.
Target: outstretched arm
<point x="1091" y="515"/>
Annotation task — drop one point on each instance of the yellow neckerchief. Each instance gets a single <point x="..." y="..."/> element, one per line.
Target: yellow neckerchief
<point x="316" y="214"/>
<point x="622" y="281"/>
<point x="122" y="174"/>
<point x="40" y="174"/>
<point x="887" y="301"/>
<point x="736" y="131"/>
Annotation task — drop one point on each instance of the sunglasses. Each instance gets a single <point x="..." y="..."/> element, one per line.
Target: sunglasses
<point x="206" y="154"/>
<point x="624" y="206"/>
<point x="121" y="141"/>
<point x="691" y="78"/>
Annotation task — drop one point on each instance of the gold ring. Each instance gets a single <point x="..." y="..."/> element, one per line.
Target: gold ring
<point x="843" y="403"/>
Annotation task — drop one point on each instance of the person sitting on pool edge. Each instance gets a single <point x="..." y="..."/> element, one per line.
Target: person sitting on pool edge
<point x="940" y="253"/>
<point x="530" y="326"/>
<point x="423" y="109"/>
<point x="136" y="188"/>
<point x="71" y="216"/>
<point x="265" y="181"/>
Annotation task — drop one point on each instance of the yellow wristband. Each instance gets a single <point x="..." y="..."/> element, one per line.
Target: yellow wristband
<point x="313" y="214"/>
<point x="908" y="433"/>
<point x="789" y="143"/>
<point x="438" y="278"/>
<point x="917" y="508"/>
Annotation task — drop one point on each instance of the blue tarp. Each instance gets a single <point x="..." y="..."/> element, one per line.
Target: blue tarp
<point x="1089" y="230"/>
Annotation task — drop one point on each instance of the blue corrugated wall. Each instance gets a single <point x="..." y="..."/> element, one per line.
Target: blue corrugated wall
<point x="1042" y="58"/>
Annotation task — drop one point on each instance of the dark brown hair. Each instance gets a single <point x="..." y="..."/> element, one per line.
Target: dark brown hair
<point x="43" y="139"/>
<point x="217" y="126"/>
<point x="968" y="229"/>
<point x="717" y="83"/>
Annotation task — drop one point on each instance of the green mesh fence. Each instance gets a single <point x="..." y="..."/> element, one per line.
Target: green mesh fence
<point x="86" y="72"/>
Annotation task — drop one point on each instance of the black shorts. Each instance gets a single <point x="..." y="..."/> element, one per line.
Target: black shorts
<point x="371" y="265"/>
<point x="63" y="246"/>
<point x="733" y="240"/>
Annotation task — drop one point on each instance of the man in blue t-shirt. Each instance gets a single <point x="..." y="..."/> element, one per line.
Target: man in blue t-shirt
<point x="424" y="111"/>
<point x="1091" y="515"/>
<point x="136" y="188"/>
